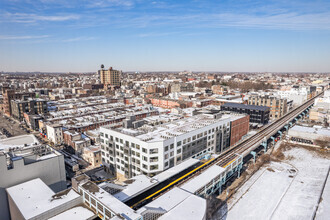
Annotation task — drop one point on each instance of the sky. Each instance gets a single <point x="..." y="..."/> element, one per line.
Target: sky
<point x="142" y="35"/>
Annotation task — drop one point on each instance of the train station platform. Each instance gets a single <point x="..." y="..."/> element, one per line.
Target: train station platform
<point x="199" y="182"/>
<point x="141" y="183"/>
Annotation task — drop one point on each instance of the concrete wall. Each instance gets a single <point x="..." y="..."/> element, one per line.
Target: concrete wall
<point x="51" y="171"/>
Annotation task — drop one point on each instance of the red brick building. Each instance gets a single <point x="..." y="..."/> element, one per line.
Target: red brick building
<point x="170" y="103"/>
<point x="239" y="127"/>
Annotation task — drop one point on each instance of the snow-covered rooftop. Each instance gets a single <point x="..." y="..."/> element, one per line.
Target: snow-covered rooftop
<point x="175" y="128"/>
<point x="179" y="204"/>
<point x="76" y="213"/>
<point x="110" y="201"/>
<point x="34" y="198"/>
<point x="18" y="141"/>
<point x="142" y="182"/>
<point x="315" y="130"/>
<point x="201" y="180"/>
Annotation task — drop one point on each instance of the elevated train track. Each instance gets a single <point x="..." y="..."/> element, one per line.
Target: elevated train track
<point x="226" y="159"/>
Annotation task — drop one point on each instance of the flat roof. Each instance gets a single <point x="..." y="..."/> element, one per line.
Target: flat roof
<point x="142" y="182"/>
<point x="201" y="180"/>
<point x="175" y="170"/>
<point x="18" y="141"/>
<point x="179" y="204"/>
<point x="109" y="200"/>
<point x="193" y="207"/>
<point x="76" y="213"/>
<point x="172" y="129"/>
<point x="251" y="107"/>
<point x="314" y="130"/>
<point x="34" y="197"/>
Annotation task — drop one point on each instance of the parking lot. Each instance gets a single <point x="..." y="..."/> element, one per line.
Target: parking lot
<point x="10" y="127"/>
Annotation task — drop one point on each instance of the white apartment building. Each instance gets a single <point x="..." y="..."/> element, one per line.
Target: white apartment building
<point x="153" y="149"/>
<point x="55" y="133"/>
<point x="299" y="96"/>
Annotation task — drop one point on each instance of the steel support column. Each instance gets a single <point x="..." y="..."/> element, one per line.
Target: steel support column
<point x="264" y="143"/>
<point x="254" y="156"/>
<point x="273" y="139"/>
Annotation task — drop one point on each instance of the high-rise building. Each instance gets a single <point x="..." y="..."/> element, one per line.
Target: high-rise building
<point x="110" y="77"/>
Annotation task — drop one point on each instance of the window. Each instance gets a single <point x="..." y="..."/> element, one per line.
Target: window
<point x="154" y="159"/>
<point x="178" y="151"/>
<point x="178" y="143"/>
<point x="154" y="151"/>
<point x="154" y="167"/>
<point x="144" y="150"/>
<point x="166" y="148"/>
<point x="172" y="146"/>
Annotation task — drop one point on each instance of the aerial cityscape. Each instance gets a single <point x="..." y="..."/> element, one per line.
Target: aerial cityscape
<point x="169" y="110"/>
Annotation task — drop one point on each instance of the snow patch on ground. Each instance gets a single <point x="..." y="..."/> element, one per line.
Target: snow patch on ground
<point x="282" y="194"/>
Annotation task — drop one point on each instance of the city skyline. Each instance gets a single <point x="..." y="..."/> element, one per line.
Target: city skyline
<point x="248" y="36"/>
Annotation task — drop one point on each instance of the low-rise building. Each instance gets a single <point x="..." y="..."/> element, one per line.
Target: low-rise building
<point x="35" y="200"/>
<point x="92" y="155"/>
<point x="258" y="114"/>
<point x="22" y="158"/>
<point x="170" y="103"/>
<point x="76" y="140"/>
<point x="55" y="133"/>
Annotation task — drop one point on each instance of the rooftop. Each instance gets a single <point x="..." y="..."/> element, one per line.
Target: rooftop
<point x="172" y="129"/>
<point x="34" y="198"/>
<point x="18" y="141"/>
<point x="201" y="180"/>
<point x="109" y="200"/>
<point x="251" y="107"/>
<point x="176" y="203"/>
<point x="76" y="213"/>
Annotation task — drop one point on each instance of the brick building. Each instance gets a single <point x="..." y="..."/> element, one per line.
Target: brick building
<point x="32" y="106"/>
<point x="76" y="141"/>
<point x="239" y="127"/>
<point x="170" y="103"/>
<point x="9" y="95"/>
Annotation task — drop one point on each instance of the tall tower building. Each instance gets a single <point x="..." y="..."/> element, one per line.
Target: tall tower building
<point x="110" y="77"/>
